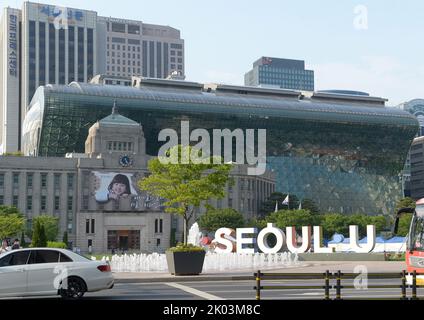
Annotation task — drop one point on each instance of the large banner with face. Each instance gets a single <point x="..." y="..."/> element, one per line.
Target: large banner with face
<point x="121" y="190"/>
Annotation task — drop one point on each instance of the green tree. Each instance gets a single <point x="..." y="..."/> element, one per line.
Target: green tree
<point x="268" y="206"/>
<point x="11" y="222"/>
<point x="214" y="219"/>
<point x="23" y="243"/>
<point x="404" y="223"/>
<point x="310" y="205"/>
<point x="259" y="223"/>
<point x="405" y="203"/>
<point x="288" y="218"/>
<point x="51" y="226"/>
<point x="43" y="237"/>
<point x="183" y="184"/>
<point x="65" y="238"/>
<point x="332" y="223"/>
<point x="35" y="239"/>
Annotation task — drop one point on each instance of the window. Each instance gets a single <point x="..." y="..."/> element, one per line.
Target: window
<point x="156" y="225"/>
<point x="87" y="225"/>
<point x="1" y="200"/>
<point x="133" y="29"/>
<point x="29" y="180"/>
<point x="43" y="203"/>
<point x="56" y="202"/>
<point x="44" y="256"/>
<point x="57" y="181"/>
<point x="15" y="180"/>
<point x="64" y="258"/>
<point x="93" y="226"/>
<point x="15" y="259"/>
<point x="70" y="180"/>
<point x="118" y="27"/>
<point x="180" y="53"/>
<point x="85" y="202"/>
<point x="176" y="46"/>
<point x="15" y="201"/>
<point x="158" y="242"/>
<point x="70" y="200"/>
<point x="1" y="180"/>
<point x="44" y="180"/>
<point x="29" y="203"/>
<point x="160" y="225"/>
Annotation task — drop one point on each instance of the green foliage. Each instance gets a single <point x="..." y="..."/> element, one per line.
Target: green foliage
<point x="338" y="223"/>
<point x="308" y="204"/>
<point x="51" y="226"/>
<point x="405" y="203"/>
<point x="43" y="238"/>
<point x="256" y="223"/>
<point x="332" y="223"/>
<point x="404" y="223"/>
<point x="11" y="222"/>
<point x="173" y="240"/>
<point x="185" y="186"/>
<point x="39" y="239"/>
<point x="288" y="218"/>
<point x="185" y="248"/>
<point x="65" y="238"/>
<point x="23" y="243"/>
<point x="55" y="244"/>
<point x="14" y="154"/>
<point x="218" y="218"/>
<point x="268" y="206"/>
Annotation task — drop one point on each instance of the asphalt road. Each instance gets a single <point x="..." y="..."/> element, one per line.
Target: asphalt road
<point x="240" y="290"/>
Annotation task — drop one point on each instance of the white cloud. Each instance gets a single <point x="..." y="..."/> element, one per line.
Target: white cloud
<point x="382" y="76"/>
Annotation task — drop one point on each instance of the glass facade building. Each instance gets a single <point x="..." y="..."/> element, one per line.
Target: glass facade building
<point x="346" y="155"/>
<point x="282" y="73"/>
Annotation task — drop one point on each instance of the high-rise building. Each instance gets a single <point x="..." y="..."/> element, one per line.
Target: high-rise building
<point x="10" y="47"/>
<point x="44" y="44"/>
<point x="282" y="73"/>
<point x="136" y="48"/>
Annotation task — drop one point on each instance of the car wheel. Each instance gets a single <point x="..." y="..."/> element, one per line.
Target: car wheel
<point x="75" y="290"/>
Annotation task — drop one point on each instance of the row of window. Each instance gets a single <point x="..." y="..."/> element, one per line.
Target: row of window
<point x="119" y="46"/>
<point x="43" y="202"/>
<point x="118" y="61"/>
<point x="43" y="180"/>
<point x="119" y="69"/>
<point x="123" y="27"/>
<point x="119" y="146"/>
<point x="124" y="55"/>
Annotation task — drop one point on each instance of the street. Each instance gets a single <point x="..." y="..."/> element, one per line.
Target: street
<point x="238" y="290"/>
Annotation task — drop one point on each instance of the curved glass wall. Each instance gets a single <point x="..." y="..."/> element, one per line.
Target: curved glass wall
<point x="345" y="157"/>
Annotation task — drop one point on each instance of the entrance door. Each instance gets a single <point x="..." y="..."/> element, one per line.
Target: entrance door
<point x="123" y="242"/>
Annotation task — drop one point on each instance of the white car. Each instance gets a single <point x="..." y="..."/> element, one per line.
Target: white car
<point x="48" y="271"/>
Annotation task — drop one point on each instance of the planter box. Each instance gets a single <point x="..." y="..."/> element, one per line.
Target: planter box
<point x="185" y="263"/>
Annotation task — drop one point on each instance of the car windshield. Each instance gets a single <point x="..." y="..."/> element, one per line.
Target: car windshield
<point x="416" y="240"/>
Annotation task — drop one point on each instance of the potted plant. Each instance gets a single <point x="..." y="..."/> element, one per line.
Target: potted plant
<point x="185" y="259"/>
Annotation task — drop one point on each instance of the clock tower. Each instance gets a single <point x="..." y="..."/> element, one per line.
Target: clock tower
<point x="118" y="140"/>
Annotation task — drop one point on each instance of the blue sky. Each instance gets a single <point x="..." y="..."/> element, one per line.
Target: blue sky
<point x="224" y="37"/>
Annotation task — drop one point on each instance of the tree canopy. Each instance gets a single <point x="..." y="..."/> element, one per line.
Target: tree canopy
<point x="185" y="186"/>
<point x="11" y="222"/>
<point x="214" y="219"/>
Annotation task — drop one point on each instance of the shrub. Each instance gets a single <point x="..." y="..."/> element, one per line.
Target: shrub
<point x="185" y="248"/>
<point x="54" y="244"/>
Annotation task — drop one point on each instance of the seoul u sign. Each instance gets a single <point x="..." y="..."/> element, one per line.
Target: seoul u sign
<point x="245" y="244"/>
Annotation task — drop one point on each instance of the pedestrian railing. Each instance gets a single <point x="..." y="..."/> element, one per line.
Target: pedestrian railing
<point x="337" y="277"/>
